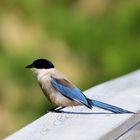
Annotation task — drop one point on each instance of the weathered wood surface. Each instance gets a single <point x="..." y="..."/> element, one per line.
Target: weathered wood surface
<point x="96" y="124"/>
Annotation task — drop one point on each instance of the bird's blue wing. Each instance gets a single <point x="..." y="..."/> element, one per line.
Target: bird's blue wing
<point x="72" y="93"/>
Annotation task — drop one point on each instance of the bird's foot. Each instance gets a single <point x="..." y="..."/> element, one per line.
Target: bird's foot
<point x="57" y="109"/>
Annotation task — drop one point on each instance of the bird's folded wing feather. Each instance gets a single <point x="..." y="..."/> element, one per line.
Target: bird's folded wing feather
<point x="67" y="89"/>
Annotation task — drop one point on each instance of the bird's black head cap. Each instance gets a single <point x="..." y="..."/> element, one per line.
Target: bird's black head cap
<point x="41" y="64"/>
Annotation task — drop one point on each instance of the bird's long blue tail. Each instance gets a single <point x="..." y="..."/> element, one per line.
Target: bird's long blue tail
<point x="108" y="107"/>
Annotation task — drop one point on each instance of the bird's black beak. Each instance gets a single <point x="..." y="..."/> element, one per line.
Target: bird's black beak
<point x="29" y="66"/>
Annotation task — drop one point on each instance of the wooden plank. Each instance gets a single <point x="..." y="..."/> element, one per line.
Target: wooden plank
<point x="96" y="124"/>
<point x="133" y="133"/>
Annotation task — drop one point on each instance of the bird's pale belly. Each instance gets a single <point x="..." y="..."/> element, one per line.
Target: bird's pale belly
<point x="53" y="95"/>
<point x="60" y="100"/>
<point x="57" y="98"/>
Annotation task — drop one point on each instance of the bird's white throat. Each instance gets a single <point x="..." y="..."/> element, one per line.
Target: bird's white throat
<point x="42" y="72"/>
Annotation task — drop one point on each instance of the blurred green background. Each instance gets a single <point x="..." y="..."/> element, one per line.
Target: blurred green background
<point x="101" y="37"/>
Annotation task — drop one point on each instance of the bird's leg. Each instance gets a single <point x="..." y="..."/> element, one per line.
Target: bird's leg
<point x="53" y="109"/>
<point x="57" y="109"/>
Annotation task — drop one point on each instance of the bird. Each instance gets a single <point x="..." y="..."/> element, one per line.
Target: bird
<point x="61" y="92"/>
